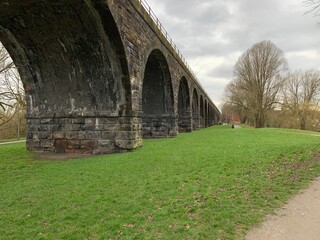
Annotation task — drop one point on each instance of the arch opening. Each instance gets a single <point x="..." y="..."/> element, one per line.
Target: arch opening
<point x="184" y="109"/>
<point x="73" y="68"/>
<point x="12" y="99"/>
<point x="157" y="98"/>
<point x="206" y="113"/>
<point x="195" y="111"/>
<point x="211" y="116"/>
<point x="202" y="113"/>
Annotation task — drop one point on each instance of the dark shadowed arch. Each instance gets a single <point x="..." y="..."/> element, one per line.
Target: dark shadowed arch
<point x="157" y="97"/>
<point x="68" y="60"/>
<point x="73" y="66"/>
<point x="184" y="109"/>
<point x="195" y="110"/>
<point x="216" y="116"/>
<point x="206" y="112"/>
<point x="201" y="112"/>
<point x="210" y="115"/>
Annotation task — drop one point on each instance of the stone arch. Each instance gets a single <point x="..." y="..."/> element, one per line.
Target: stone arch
<point x="211" y="115"/>
<point x="184" y="111"/>
<point x="201" y="112"/>
<point x="195" y="110"/>
<point x="73" y="66"/>
<point x="157" y="98"/>
<point x="216" y="117"/>
<point x="206" y="113"/>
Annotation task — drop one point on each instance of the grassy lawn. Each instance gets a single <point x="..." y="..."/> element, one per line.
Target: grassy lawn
<point x="210" y="184"/>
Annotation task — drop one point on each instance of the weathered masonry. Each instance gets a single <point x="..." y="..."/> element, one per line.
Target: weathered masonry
<point x="99" y="75"/>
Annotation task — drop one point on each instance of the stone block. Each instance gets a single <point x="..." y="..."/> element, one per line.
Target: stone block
<point x="32" y="127"/>
<point x="64" y="121"/>
<point x="56" y="127"/>
<point x="45" y="135"/>
<point x="71" y="135"/>
<point x="79" y="120"/>
<point x="136" y="127"/>
<point x="125" y="144"/>
<point x="35" y="135"/>
<point x="72" y="127"/>
<point x="73" y="144"/>
<point x="106" y="135"/>
<point x="112" y="127"/>
<point x="93" y="135"/>
<point x="89" y="127"/>
<point x="46" y="121"/>
<point x="109" y="120"/>
<point x="33" y="144"/>
<point x="46" y="127"/>
<point x="125" y="127"/>
<point x="33" y="121"/>
<point x="89" y="121"/>
<point x="57" y="135"/>
<point x="102" y="127"/>
<point x="88" y="144"/>
<point x="121" y="135"/>
<point x="61" y="146"/>
<point x="29" y="135"/>
<point x="105" y="144"/>
<point x="47" y="143"/>
<point x="82" y="135"/>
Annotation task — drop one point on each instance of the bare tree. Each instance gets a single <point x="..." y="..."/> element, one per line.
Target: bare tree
<point x="6" y="64"/>
<point x="12" y="98"/>
<point x="314" y="6"/>
<point x="257" y="81"/>
<point x="236" y="102"/>
<point x="301" y="96"/>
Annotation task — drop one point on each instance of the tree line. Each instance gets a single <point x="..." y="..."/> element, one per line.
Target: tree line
<point x="264" y="93"/>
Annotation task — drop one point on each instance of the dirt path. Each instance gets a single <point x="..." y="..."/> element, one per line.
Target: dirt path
<point x="5" y="143"/>
<point x="299" y="219"/>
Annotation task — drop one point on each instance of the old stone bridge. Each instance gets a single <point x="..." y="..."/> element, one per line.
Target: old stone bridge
<point x="100" y="75"/>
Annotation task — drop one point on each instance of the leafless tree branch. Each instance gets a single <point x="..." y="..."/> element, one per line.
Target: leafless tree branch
<point x="12" y="97"/>
<point x="257" y="81"/>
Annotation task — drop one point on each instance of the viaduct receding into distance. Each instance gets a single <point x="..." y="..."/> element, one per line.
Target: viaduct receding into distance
<point x="100" y="75"/>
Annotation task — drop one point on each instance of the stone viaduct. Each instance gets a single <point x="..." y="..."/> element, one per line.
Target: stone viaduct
<point x="99" y="75"/>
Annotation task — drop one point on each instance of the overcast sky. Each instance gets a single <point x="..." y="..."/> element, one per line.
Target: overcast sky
<point x="212" y="34"/>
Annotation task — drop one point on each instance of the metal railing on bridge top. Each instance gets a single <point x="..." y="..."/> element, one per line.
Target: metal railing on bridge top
<point x="166" y="35"/>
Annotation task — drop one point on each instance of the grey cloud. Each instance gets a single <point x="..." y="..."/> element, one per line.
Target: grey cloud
<point x="222" y="71"/>
<point x="221" y="28"/>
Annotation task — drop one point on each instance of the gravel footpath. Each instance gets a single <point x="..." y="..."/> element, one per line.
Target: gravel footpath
<point x="299" y="219"/>
<point x="5" y="143"/>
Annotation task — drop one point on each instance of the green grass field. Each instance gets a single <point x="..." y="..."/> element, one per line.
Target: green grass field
<point x="210" y="184"/>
